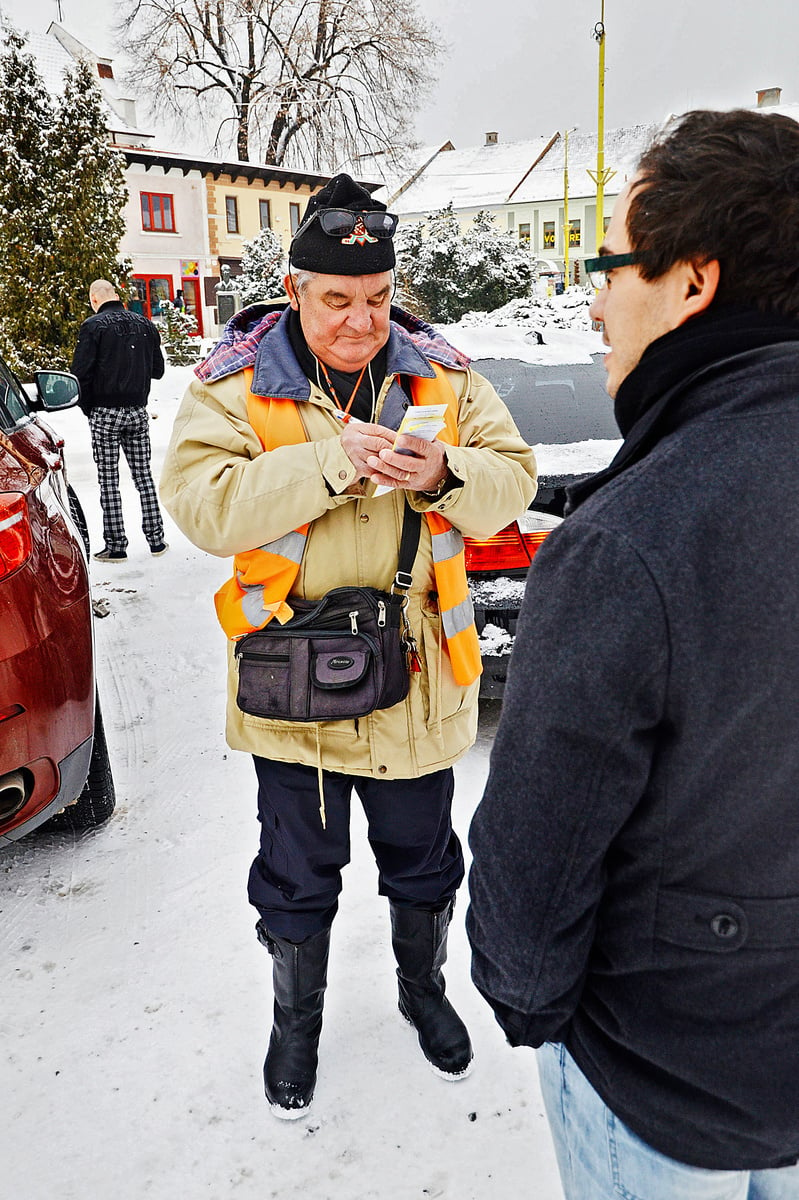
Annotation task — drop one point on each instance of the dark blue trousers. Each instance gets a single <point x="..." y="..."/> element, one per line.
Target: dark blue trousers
<point x="296" y="878"/>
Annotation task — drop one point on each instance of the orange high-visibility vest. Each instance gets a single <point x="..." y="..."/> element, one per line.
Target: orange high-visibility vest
<point x="262" y="578"/>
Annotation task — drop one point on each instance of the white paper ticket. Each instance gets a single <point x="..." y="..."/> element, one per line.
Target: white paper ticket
<point x="421" y="421"/>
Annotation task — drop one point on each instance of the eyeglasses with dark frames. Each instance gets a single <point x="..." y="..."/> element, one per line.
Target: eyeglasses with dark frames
<point x="597" y="269"/>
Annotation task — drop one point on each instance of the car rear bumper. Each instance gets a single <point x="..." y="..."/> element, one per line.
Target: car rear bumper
<point x="496" y="611"/>
<point x="72" y="771"/>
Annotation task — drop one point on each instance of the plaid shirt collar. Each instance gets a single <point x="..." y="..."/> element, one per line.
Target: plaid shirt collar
<point x="412" y="345"/>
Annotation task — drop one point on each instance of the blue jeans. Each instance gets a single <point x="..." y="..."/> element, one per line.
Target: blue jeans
<point x="599" y="1158"/>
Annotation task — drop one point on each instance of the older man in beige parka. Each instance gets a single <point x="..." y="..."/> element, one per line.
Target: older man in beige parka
<point x="352" y="364"/>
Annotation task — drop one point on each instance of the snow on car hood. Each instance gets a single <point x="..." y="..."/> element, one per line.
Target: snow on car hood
<point x="575" y="458"/>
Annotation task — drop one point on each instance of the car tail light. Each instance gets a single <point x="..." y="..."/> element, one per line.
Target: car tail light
<point x="15" y="532"/>
<point x="535" y="527"/>
<point x="513" y="547"/>
<point x="505" y="551"/>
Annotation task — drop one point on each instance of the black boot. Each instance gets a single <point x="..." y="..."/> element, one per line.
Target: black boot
<point x="419" y="937"/>
<point x="299" y="976"/>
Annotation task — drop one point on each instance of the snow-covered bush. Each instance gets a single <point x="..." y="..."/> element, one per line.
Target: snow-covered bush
<point x="262" y="269"/>
<point x="444" y="273"/>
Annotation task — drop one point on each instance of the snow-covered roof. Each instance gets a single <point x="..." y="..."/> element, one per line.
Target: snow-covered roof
<point x="474" y="177"/>
<point x="623" y="148"/>
<point x="785" y="110"/>
<point x="396" y="171"/>
<point x="57" y="51"/>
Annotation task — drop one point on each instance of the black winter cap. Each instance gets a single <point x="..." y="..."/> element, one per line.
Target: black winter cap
<point x="314" y="250"/>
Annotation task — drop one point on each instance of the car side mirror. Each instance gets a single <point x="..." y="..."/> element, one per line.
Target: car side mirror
<point x="57" y="389"/>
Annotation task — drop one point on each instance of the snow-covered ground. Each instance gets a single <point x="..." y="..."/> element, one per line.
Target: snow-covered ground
<point x="136" y="1000"/>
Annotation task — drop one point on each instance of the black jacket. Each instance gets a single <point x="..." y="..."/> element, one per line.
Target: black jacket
<point x="635" y="884"/>
<point x="117" y="355"/>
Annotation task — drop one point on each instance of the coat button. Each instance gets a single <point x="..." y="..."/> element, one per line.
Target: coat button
<point x="382" y="770"/>
<point x="724" y="926"/>
<point x="364" y="517"/>
<point x="343" y="474"/>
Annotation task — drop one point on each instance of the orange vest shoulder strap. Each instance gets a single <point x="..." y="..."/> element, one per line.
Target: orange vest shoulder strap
<point x="275" y="419"/>
<point x="437" y="391"/>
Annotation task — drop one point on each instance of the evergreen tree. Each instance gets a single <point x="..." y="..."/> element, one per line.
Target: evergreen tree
<point x="499" y="269"/>
<point x="87" y="213"/>
<point x="62" y="193"/>
<point x="429" y="267"/>
<point x="262" y="269"/>
<point x="444" y="273"/>
<point x="26" y="200"/>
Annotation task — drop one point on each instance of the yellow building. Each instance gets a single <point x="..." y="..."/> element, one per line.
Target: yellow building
<point x="244" y="198"/>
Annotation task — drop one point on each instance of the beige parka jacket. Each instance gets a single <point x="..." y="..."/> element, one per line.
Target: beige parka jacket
<point x="228" y="495"/>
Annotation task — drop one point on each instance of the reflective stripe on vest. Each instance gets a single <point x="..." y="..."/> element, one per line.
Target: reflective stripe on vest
<point x="263" y="578"/>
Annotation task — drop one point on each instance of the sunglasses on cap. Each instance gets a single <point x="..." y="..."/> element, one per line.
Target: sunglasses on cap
<point x="598" y="269"/>
<point x="340" y="222"/>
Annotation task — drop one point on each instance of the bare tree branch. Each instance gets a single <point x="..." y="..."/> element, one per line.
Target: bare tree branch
<point x="304" y="82"/>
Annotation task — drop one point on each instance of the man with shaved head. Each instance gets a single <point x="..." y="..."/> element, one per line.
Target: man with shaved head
<point x="117" y="356"/>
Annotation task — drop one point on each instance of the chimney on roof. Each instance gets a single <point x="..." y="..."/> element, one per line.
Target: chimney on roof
<point x="492" y="139"/>
<point x="768" y="96"/>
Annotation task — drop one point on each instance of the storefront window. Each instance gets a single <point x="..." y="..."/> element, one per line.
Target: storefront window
<point x="151" y="295"/>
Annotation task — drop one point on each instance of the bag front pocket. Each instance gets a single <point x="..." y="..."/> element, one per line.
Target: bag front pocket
<point x="265" y="681"/>
<point x="302" y="676"/>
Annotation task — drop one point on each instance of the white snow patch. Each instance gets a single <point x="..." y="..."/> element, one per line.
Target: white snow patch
<point x="576" y="458"/>
<point x="495" y="640"/>
<point x="562" y="322"/>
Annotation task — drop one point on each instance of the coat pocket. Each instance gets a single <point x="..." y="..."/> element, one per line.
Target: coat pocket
<point x="442" y="696"/>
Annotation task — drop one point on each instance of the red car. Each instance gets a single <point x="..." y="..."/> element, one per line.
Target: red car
<point x="54" y="763"/>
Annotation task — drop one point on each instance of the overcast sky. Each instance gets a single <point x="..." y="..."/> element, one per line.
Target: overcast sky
<point x="524" y="67"/>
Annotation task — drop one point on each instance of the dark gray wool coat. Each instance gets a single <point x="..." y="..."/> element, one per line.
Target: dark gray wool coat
<point x="635" y="886"/>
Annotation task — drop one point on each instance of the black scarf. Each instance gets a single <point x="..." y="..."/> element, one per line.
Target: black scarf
<point x="343" y="381"/>
<point x="648" y="402"/>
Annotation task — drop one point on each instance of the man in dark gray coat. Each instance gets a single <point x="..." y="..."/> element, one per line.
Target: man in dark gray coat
<point x="635" y="885"/>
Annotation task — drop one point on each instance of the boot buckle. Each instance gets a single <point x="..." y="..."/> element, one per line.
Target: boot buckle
<point x="262" y="933"/>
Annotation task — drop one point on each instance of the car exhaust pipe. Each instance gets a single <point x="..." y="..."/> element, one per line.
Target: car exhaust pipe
<point x="13" y="794"/>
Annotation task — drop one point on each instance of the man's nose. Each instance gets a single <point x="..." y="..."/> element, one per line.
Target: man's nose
<point x="597" y="307"/>
<point x="359" y="317"/>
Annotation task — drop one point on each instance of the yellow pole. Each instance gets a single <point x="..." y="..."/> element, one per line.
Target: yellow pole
<point x="600" y="135"/>
<point x="566" y="209"/>
<point x="600" y="176"/>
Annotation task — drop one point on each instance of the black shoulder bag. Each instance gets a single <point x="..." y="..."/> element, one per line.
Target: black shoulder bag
<point x="339" y="657"/>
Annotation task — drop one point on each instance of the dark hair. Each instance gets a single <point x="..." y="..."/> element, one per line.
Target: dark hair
<point x="725" y="186"/>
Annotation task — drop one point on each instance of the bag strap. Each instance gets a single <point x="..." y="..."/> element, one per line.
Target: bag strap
<point x="409" y="544"/>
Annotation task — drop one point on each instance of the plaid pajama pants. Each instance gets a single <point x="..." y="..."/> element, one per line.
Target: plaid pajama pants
<point x="128" y="429"/>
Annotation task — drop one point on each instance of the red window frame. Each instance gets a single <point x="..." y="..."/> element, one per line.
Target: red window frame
<point x="158" y="212"/>
<point x="147" y="293"/>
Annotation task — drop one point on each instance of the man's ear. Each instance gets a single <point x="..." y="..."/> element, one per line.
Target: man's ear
<point x="700" y="283"/>
<point x="288" y="284"/>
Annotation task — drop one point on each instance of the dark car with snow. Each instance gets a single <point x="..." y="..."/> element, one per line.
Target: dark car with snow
<point x="54" y="765"/>
<point x="567" y="415"/>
